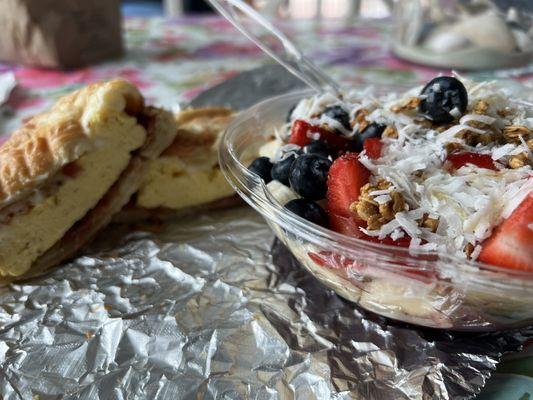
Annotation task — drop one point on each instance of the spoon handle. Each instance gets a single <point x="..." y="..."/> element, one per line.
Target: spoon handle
<point x="288" y="55"/>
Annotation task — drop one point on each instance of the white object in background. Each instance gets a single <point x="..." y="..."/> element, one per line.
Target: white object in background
<point x="447" y="34"/>
<point x="173" y="8"/>
<point x="269" y="7"/>
<point x="443" y="41"/>
<point x="487" y="30"/>
<point x="8" y="82"/>
<point x="523" y="40"/>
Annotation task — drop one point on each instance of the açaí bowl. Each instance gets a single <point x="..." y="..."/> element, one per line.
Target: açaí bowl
<point x="424" y="289"/>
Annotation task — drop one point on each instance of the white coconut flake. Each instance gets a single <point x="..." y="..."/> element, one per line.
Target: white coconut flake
<point x="503" y="151"/>
<point x="409" y="225"/>
<point x="455" y="112"/>
<point x="414" y="244"/>
<point x="485" y="119"/>
<point x="383" y="199"/>
<point x="428" y="247"/>
<point x="530" y="226"/>
<point x="416" y="214"/>
<point x="397" y="234"/>
<point x="388" y="228"/>
<point x="313" y="135"/>
<point x="381" y="192"/>
<point x="333" y="123"/>
<point x="369" y="232"/>
<point x="475" y="253"/>
<point x="367" y="162"/>
<point x="515" y="194"/>
<point x="524" y="144"/>
<point x="290" y="147"/>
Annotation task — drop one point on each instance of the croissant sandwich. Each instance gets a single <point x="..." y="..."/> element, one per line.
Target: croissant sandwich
<point x="66" y="172"/>
<point x="186" y="177"/>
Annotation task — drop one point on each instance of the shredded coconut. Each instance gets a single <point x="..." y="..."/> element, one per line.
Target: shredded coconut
<point x="382" y="192"/>
<point x="383" y="199"/>
<point x="485" y="119"/>
<point x="505" y="150"/>
<point x="455" y="112"/>
<point x="475" y="252"/>
<point x="468" y="203"/>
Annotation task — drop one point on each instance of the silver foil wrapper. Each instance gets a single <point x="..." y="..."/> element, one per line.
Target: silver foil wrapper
<point x="212" y="307"/>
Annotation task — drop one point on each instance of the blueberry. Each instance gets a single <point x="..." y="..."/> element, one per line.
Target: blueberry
<point x="308" y="210"/>
<point x="281" y="169"/>
<point x="309" y="175"/>
<point x="318" y="147"/>
<point x="442" y="95"/>
<point x="262" y="167"/>
<point x="339" y="114"/>
<point x="372" y="130"/>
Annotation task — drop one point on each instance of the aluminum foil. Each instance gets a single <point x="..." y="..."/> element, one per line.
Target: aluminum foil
<point x="212" y="307"/>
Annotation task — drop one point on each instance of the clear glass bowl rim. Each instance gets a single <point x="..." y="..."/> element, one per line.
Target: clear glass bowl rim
<point x="262" y="201"/>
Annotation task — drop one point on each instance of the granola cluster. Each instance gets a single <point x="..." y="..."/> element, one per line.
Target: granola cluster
<point x="428" y="222"/>
<point x="408" y="105"/>
<point x="390" y="132"/>
<point x="517" y="133"/>
<point x="360" y="119"/>
<point x="474" y="138"/>
<point x="481" y="107"/>
<point x="373" y="213"/>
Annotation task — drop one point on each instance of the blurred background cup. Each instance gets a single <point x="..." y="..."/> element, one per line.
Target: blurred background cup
<point x="464" y="34"/>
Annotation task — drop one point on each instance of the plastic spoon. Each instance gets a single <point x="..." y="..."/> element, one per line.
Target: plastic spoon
<point x="291" y="57"/>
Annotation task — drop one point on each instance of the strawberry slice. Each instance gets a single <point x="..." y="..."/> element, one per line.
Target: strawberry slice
<point x="511" y="244"/>
<point x="347" y="225"/>
<point x="302" y="134"/>
<point x="373" y="147"/>
<point x="331" y="260"/>
<point x="401" y="242"/>
<point x="457" y="160"/>
<point x="346" y="177"/>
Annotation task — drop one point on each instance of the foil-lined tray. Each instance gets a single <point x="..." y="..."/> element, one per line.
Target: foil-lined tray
<point x="212" y="307"/>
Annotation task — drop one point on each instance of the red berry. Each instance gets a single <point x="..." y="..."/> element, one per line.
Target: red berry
<point x="346" y="177"/>
<point x="457" y="160"/>
<point x="302" y="134"/>
<point x="511" y="244"/>
<point x="373" y="147"/>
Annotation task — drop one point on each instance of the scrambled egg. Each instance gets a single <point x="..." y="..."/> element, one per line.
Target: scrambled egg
<point x="176" y="183"/>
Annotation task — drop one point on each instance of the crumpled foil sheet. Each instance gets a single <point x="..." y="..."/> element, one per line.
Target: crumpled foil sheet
<point x="211" y="307"/>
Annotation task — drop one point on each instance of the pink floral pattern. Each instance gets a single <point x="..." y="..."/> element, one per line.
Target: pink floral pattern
<point x="172" y="60"/>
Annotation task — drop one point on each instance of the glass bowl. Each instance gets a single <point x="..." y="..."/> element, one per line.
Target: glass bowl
<point x="438" y="291"/>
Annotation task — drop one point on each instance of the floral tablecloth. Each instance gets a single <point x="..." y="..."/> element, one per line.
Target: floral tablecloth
<point x="173" y="60"/>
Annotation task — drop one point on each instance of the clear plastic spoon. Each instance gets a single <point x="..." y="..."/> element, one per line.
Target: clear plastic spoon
<point x="237" y="12"/>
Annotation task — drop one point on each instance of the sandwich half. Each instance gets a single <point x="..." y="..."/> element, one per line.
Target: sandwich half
<point x="66" y="172"/>
<point x="187" y="176"/>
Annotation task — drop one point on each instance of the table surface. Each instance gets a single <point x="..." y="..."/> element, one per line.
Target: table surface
<point x="173" y="60"/>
